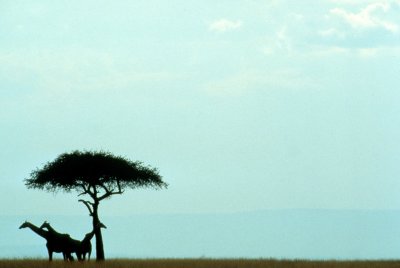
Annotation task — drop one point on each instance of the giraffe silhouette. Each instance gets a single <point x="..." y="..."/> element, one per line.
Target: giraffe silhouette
<point x="51" y="247"/>
<point x="63" y="242"/>
<point x="80" y="248"/>
<point x="86" y="245"/>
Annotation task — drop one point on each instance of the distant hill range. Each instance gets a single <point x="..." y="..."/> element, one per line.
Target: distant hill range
<point x="304" y="234"/>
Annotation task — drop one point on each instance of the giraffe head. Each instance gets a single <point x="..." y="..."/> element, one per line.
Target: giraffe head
<point x="24" y="225"/>
<point x="45" y="225"/>
<point x="90" y="235"/>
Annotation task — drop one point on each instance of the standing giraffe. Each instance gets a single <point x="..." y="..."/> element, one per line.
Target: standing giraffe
<point x="46" y="235"/>
<point x="86" y="245"/>
<point x="62" y="242"/>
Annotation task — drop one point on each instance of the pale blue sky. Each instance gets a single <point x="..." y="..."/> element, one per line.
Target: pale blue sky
<point x="242" y="105"/>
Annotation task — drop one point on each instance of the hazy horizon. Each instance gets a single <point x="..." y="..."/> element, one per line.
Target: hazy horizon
<point x="241" y="105"/>
<point x="288" y="234"/>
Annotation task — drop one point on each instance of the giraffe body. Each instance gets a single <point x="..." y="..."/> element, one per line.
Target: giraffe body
<point x="86" y="245"/>
<point x="62" y="242"/>
<point x="52" y="245"/>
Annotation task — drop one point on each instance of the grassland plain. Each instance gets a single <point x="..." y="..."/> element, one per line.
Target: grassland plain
<point x="199" y="263"/>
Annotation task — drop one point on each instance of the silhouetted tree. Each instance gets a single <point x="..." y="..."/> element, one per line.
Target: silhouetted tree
<point x="97" y="175"/>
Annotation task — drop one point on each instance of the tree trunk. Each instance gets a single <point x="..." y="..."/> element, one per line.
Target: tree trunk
<point x="99" y="238"/>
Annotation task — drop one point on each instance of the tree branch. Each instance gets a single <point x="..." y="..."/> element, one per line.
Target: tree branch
<point x="119" y="187"/>
<point x="109" y="193"/>
<point x="95" y="192"/>
<point x="89" y="206"/>
<point x="86" y="190"/>
<point x="105" y="189"/>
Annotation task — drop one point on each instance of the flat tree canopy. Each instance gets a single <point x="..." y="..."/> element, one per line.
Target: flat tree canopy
<point x="70" y="171"/>
<point x="98" y="175"/>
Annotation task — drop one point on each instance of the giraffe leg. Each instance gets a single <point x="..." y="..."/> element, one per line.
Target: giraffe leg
<point x="50" y="255"/>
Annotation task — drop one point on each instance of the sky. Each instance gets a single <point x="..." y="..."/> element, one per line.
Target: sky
<point x="241" y="105"/>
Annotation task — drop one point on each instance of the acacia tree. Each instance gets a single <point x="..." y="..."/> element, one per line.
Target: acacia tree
<point x="96" y="175"/>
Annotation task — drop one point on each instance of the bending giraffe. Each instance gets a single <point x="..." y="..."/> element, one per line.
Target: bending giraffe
<point x="86" y="245"/>
<point x="50" y="241"/>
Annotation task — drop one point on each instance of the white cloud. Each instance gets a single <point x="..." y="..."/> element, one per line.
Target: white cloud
<point x="351" y="2"/>
<point x="366" y="19"/>
<point x="361" y="53"/>
<point x="223" y="25"/>
<point x="367" y="52"/>
<point x="360" y="2"/>
<point x="244" y="82"/>
<point x="281" y="42"/>
<point x="329" y="51"/>
<point x="78" y="70"/>
<point x="332" y="32"/>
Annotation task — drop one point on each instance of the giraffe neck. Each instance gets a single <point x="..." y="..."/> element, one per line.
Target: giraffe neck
<point x="89" y="236"/>
<point x="38" y="231"/>
<point x="51" y="229"/>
